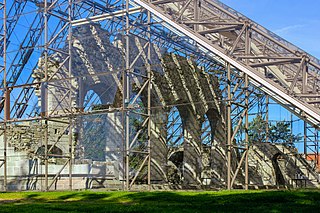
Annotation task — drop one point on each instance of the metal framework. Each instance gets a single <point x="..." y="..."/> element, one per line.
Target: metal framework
<point x="250" y="63"/>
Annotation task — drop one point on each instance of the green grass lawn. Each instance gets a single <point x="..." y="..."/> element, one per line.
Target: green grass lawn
<point x="182" y="201"/>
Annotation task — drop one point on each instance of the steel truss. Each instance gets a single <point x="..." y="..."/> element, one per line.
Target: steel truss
<point x="242" y="54"/>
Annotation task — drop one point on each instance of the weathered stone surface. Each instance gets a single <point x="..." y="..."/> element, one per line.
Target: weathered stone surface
<point x="277" y="164"/>
<point x="176" y="81"/>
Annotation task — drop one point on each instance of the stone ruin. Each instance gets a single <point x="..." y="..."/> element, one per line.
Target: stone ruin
<point x="97" y="61"/>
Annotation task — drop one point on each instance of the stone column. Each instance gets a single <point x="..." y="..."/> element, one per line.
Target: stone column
<point x="159" y="150"/>
<point x="192" y="163"/>
<point x="218" y="148"/>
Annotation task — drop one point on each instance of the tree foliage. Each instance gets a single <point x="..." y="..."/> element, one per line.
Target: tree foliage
<point x="257" y="130"/>
<point x="279" y="132"/>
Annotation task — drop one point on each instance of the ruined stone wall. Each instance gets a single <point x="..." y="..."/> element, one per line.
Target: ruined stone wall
<point x="196" y="94"/>
<point x="277" y="164"/>
<point x="176" y="81"/>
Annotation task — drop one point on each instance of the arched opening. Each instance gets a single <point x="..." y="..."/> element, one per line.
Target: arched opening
<point x="91" y="101"/>
<point x="53" y="151"/>
<point x="206" y="156"/>
<point x="175" y="164"/>
<point x="215" y="166"/>
<point x="97" y="96"/>
<point x="92" y="137"/>
<point x="174" y="129"/>
<point x="206" y="133"/>
<point x="175" y="139"/>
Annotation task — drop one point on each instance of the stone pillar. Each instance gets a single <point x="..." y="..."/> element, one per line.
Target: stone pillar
<point x="218" y="148"/>
<point x="159" y="150"/>
<point x="192" y="163"/>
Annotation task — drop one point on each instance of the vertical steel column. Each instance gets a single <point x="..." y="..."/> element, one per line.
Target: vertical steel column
<point x="123" y="112"/>
<point x="229" y="128"/>
<point x="126" y="93"/>
<point x="70" y="4"/>
<point x="149" y="101"/>
<point x="5" y="139"/>
<point x="305" y="132"/>
<point x="304" y="90"/>
<point x="247" y="52"/>
<point x="6" y="94"/>
<point x="316" y="135"/>
<point x="247" y="133"/>
<point x="291" y="128"/>
<point x="45" y="91"/>
<point x="267" y="118"/>
<point x="304" y="75"/>
<point x="196" y="13"/>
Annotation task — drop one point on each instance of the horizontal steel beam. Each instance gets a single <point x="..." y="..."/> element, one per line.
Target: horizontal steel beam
<point x="211" y="23"/>
<point x="104" y="16"/>
<point x="273" y="63"/>
<point x="220" y="29"/>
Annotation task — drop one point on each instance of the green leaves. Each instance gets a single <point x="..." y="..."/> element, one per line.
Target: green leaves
<point x="257" y="130"/>
<point x="280" y="132"/>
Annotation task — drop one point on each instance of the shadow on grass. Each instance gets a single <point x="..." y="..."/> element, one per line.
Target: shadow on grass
<point x="235" y="201"/>
<point x="32" y="196"/>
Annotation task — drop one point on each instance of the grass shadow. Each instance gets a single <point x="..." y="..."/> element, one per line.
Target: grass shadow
<point x="224" y="201"/>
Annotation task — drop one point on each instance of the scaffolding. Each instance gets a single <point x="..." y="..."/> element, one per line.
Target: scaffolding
<point x="168" y="75"/>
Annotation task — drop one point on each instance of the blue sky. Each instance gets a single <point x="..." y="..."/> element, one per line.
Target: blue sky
<point x="297" y="21"/>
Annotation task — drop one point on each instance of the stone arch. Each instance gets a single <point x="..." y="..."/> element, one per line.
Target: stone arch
<point x="218" y="164"/>
<point x="91" y="99"/>
<point x="175" y="164"/>
<point x="192" y="164"/>
<point x="174" y="142"/>
<point x="214" y="118"/>
<point x="97" y="143"/>
<point x="104" y="92"/>
<point x="91" y="134"/>
<point x="55" y="151"/>
<point x="178" y="80"/>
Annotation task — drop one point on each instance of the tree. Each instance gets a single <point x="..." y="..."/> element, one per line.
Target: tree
<point x="257" y="130"/>
<point x="281" y="133"/>
<point x="277" y="133"/>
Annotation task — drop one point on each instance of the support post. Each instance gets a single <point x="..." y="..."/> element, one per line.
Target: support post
<point x="70" y="92"/>
<point x="267" y="118"/>
<point x="44" y="92"/>
<point x="305" y="139"/>
<point x="6" y="96"/>
<point x="304" y="76"/>
<point x="196" y="13"/>
<point x="317" y="147"/>
<point x="149" y="102"/>
<point x="6" y="118"/>
<point x="126" y="93"/>
<point x="246" y="133"/>
<point x="247" y="52"/>
<point x="229" y="128"/>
